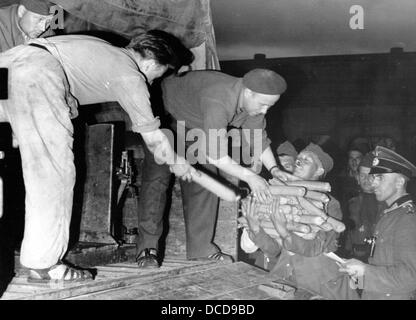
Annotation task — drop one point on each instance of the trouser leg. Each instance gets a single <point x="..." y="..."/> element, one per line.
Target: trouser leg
<point x="200" y="208"/>
<point x="152" y="201"/>
<point x="39" y="116"/>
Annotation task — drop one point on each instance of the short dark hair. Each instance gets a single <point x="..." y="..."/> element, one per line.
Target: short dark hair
<point x="163" y="47"/>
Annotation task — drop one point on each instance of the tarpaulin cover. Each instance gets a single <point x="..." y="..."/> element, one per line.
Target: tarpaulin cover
<point x="189" y="20"/>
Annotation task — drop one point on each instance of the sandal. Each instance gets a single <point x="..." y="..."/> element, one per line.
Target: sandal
<point x="217" y="256"/>
<point x="60" y="272"/>
<point x="147" y="259"/>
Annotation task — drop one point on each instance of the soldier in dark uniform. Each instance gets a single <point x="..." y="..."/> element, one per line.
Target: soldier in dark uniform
<point x="391" y="272"/>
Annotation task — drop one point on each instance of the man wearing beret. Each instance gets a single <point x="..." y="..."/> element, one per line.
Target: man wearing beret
<point x="391" y="271"/>
<point x="301" y="260"/>
<point x="21" y="23"/>
<point x="208" y="101"/>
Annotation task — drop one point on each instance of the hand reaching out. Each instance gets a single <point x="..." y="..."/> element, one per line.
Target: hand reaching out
<point x="249" y="209"/>
<point x="278" y="218"/>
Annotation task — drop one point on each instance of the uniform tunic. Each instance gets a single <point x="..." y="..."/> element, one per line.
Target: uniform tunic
<point x="303" y="263"/>
<point x="391" y="273"/>
<point x="363" y="211"/>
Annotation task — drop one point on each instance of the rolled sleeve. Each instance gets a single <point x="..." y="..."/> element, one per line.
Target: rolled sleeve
<point x="133" y="96"/>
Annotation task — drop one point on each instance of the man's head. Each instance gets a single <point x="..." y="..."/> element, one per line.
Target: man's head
<point x="390" y="173"/>
<point x="262" y="89"/>
<point x="354" y="159"/>
<point x="157" y="51"/>
<point x="313" y="163"/>
<point x="287" y="156"/>
<point x="34" y="17"/>
<point x="364" y="178"/>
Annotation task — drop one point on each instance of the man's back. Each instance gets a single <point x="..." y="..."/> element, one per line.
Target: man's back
<point x="100" y="72"/>
<point x="90" y="64"/>
<point x="187" y="96"/>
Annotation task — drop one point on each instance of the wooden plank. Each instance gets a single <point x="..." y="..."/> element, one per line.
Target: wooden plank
<point x="72" y="290"/>
<point x="206" y="284"/>
<point x="163" y="288"/>
<point x="185" y="293"/>
<point x="22" y="288"/>
<point x="195" y="280"/>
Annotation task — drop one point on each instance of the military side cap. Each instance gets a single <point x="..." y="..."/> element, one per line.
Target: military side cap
<point x="264" y="81"/>
<point x="325" y="158"/>
<point x="388" y="161"/>
<point x="37" y="6"/>
<point x="286" y="148"/>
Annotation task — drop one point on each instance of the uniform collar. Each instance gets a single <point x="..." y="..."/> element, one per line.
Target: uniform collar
<point x="399" y="202"/>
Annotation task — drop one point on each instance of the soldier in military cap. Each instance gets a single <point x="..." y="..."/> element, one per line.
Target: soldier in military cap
<point x="391" y="272"/>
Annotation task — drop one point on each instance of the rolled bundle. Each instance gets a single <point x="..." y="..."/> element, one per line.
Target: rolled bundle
<point x="306" y="236"/>
<point x="338" y="226"/>
<point x="288" y="200"/>
<point x="308" y="219"/>
<point x="297" y="191"/>
<point x="316" y="195"/>
<point x="216" y="187"/>
<point x="326" y="226"/>
<point x="302" y="204"/>
<point x="317" y="204"/>
<point x="311" y="185"/>
<point x="298" y="227"/>
<point x="312" y="209"/>
<point x="288" y="191"/>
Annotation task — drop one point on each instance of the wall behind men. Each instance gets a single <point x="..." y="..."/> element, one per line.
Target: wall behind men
<point x="345" y="97"/>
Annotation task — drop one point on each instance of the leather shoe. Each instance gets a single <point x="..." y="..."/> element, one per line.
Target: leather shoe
<point x="147" y="259"/>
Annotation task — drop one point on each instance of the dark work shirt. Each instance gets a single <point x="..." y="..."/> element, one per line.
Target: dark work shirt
<point x="210" y="100"/>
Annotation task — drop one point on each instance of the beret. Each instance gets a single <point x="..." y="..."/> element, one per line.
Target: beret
<point x="325" y="158"/>
<point x="37" y="6"/>
<point x="264" y="81"/>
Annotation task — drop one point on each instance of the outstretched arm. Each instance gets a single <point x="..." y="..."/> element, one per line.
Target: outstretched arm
<point x="159" y="145"/>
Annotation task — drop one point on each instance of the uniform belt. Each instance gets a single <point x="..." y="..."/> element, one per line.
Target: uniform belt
<point x="38" y="46"/>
